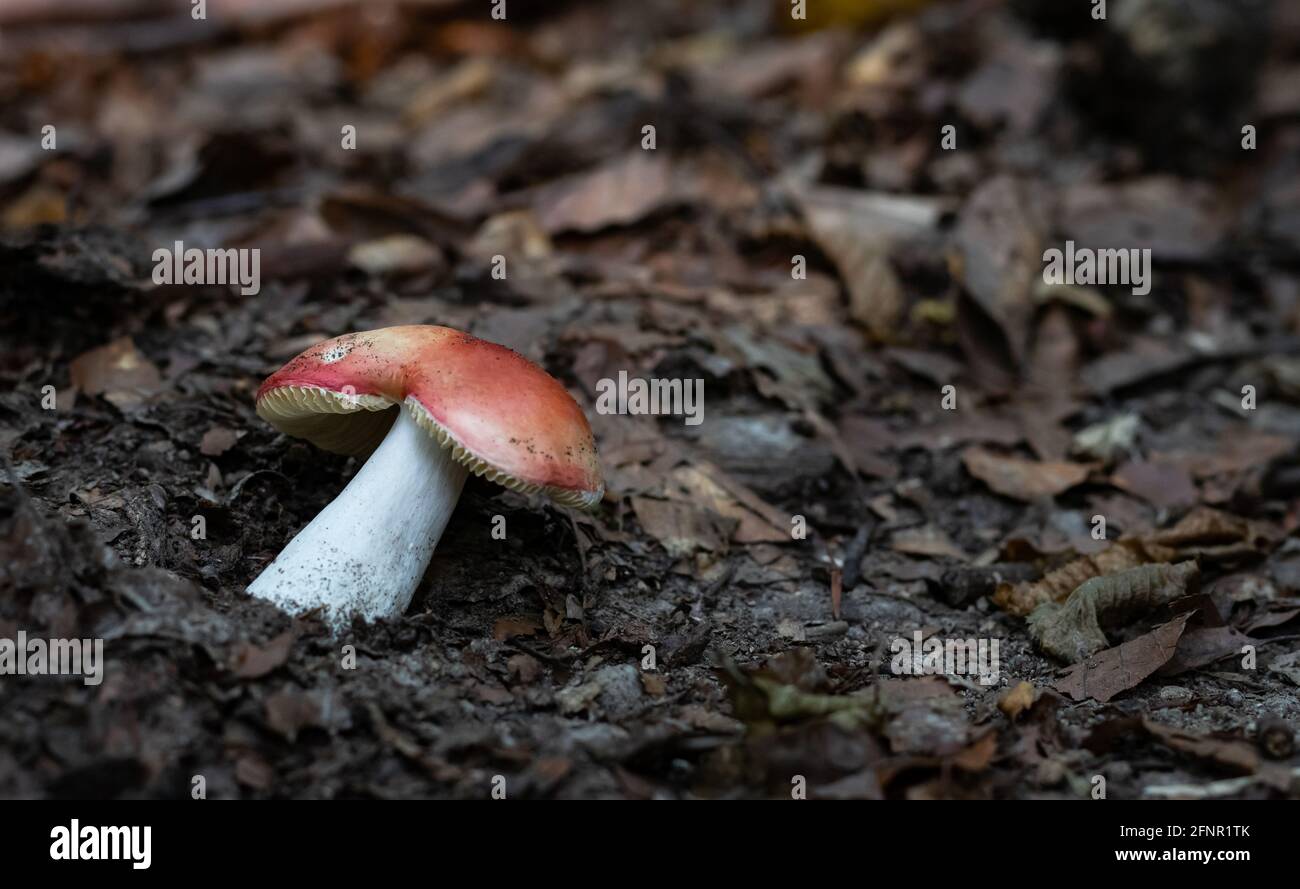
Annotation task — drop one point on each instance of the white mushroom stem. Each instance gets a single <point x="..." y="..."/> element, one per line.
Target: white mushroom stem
<point x="366" y="552"/>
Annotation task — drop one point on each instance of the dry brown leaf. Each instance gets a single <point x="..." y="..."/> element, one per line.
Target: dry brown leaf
<point x="1053" y="367"/>
<point x="929" y="540"/>
<point x="875" y="293"/>
<point x="516" y="234"/>
<point x="469" y="78"/>
<point x="1163" y="485"/>
<point x="681" y="528"/>
<point x="118" y="371"/>
<point x="1118" y="669"/>
<point x="1146" y="357"/>
<point x="856" y="230"/>
<point x="1022" y="479"/>
<point x="1207" y="532"/>
<point x="1203" y="646"/>
<point x="618" y="193"/>
<point x="1176" y="218"/>
<point x="1000" y="236"/>
<point x="752" y="526"/>
<point x="1272" y="619"/>
<point x="1236" y="451"/>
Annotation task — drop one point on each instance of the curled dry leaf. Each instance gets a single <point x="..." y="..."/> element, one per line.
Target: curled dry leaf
<point x="1072" y="631"/>
<point x="1022" y="598"/>
<point x="1204" y="534"/>
<point x="1212" y="535"/>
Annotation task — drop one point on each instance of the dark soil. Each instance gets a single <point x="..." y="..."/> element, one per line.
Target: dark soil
<point x="675" y="641"/>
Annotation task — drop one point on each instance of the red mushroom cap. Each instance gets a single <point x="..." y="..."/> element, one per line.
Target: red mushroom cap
<point x="502" y="416"/>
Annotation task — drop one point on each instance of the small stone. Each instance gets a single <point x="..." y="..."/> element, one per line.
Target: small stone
<point x="621" y="693"/>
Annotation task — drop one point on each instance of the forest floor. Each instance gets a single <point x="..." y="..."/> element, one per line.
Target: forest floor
<point x="908" y="432"/>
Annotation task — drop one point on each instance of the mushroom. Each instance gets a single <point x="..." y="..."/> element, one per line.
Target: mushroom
<point x="429" y="405"/>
